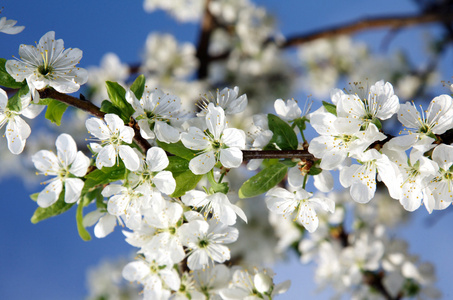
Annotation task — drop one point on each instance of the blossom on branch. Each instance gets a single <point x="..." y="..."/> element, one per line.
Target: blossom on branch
<point x="48" y="64"/>
<point x="8" y="26"/>
<point x="66" y="166"/>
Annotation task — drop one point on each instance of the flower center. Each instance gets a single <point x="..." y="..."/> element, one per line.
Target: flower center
<point x="203" y="243"/>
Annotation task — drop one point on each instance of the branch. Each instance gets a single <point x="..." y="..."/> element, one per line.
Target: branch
<point x="92" y="109"/>
<point x="394" y="22"/>
<point x="269" y="154"/>
<point x="207" y="27"/>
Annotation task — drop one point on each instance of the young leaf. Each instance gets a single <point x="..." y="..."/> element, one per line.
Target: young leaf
<point x="263" y="181"/>
<point x="15" y="103"/>
<point x="84" y="234"/>
<point x="55" y="111"/>
<point x="178" y="149"/>
<point x="185" y="181"/>
<point x="55" y="209"/>
<point x="283" y="135"/>
<point x="330" y="107"/>
<point x="217" y="187"/>
<point x="101" y="177"/>
<point x="108" y="108"/>
<point x="7" y="80"/>
<point x="117" y="95"/>
<point x="177" y="165"/>
<point x="138" y="87"/>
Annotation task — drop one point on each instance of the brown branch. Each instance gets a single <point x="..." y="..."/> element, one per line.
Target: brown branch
<point x="269" y="154"/>
<point x="207" y="27"/>
<point x="394" y="22"/>
<point x="92" y="109"/>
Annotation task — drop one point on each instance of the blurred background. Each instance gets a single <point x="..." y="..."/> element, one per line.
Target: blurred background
<point x="48" y="260"/>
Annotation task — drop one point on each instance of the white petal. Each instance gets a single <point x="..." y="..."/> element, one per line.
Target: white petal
<point x="165" y="182"/>
<point x="73" y="188"/>
<point x="80" y="165"/>
<point x="106" y="157"/>
<point x="231" y="157"/>
<point x="129" y="157"/>
<point x="50" y="193"/>
<point x="156" y="159"/>
<point x="166" y="133"/>
<point x="105" y="226"/>
<point x="202" y="163"/>
<point x="66" y="149"/>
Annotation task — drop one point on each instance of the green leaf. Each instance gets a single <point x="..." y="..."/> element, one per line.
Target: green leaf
<point x="108" y="108"/>
<point x="185" y="181"/>
<point x="314" y="171"/>
<point x="55" y="209"/>
<point x="263" y="181"/>
<point x="15" y="103"/>
<point x="138" y="87"/>
<point x="217" y="187"/>
<point x="7" y="80"/>
<point x="177" y="165"/>
<point x="84" y="234"/>
<point x="376" y="122"/>
<point x="117" y="95"/>
<point x="330" y="107"/>
<point x="283" y="135"/>
<point x="55" y="111"/>
<point x="34" y="197"/>
<point x="104" y="176"/>
<point x="178" y="149"/>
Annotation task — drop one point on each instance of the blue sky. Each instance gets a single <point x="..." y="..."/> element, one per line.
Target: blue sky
<point x="48" y="260"/>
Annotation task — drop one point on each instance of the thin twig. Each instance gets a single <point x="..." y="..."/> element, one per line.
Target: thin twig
<point x="394" y="22"/>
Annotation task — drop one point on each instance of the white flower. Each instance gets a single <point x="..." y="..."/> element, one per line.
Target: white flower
<point x="128" y="202"/>
<point x="166" y="59"/>
<point x="48" y="64"/>
<point x="415" y="174"/>
<point x="155" y="273"/>
<point x="339" y="137"/>
<point x="228" y="99"/>
<point x="105" y="222"/>
<point x="205" y="242"/>
<point x="422" y="126"/>
<point x="283" y="202"/>
<point x="182" y="10"/>
<point x="112" y="133"/>
<point x="439" y="192"/>
<point x="253" y="286"/>
<point x="258" y="138"/>
<point x="17" y="130"/>
<point x="110" y="69"/>
<point x="154" y="113"/>
<point x="67" y="164"/>
<point x="212" y="280"/>
<point x="151" y="173"/>
<point x="217" y="143"/>
<point x="217" y="203"/>
<point x="7" y="26"/>
<point x="289" y="111"/>
<point x="165" y="240"/>
<point x="362" y="178"/>
<point x="365" y="105"/>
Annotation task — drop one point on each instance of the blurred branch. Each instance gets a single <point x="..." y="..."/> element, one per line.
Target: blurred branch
<point x="394" y="22"/>
<point x="207" y="27"/>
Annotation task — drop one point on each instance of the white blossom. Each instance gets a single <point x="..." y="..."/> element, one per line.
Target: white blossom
<point x="217" y="143"/>
<point x="154" y="113"/>
<point x="17" y="130"/>
<point x="284" y="202"/>
<point x="66" y="166"/>
<point x="48" y="64"/>
<point x="217" y="204"/>
<point x="205" y="241"/>
<point x="113" y="134"/>
<point x="8" y="26"/>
